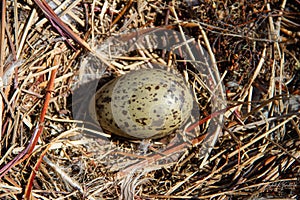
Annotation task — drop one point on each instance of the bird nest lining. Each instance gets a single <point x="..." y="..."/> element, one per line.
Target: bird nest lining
<point x="256" y="49"/>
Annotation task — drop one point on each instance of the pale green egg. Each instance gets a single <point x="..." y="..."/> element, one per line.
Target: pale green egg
<point x="147" y="103"/>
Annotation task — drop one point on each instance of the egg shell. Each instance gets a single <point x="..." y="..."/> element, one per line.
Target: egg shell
<point x="146" y="103"/>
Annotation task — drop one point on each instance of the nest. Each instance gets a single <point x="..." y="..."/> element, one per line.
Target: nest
<point x="49" y="153"/>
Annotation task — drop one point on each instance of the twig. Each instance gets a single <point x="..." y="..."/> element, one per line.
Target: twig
<point x="123" y="11"/>
<point x="46" y="102"/>
<point x="262" y="135"/>
<point x="31" y="20"/>
<point x="28" y="189"/>
<point x="59" y="25"/>
<point x="2" y="57"/>
<point x="28" y="150"/>
<point x="2" y="42"/>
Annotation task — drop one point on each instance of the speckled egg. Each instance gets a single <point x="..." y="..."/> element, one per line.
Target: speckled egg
<point x="147" y="103"/>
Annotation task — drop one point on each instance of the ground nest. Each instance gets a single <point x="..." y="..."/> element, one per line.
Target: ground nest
<point x="244" y="142"/>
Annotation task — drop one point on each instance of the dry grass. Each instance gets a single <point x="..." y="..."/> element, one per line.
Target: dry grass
<point x="45" y="155"/>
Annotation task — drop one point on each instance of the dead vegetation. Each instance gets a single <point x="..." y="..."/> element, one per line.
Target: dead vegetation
<point x="45" y="155"/>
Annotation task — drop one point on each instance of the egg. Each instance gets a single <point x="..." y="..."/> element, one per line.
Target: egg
<point x="146" y="103"/>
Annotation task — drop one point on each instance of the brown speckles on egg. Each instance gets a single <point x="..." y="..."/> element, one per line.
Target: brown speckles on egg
<point x="147" y="103"/>
<point x="126" y="124"/>
<point x="100" y="107"/>
<point x="142" y="121"/>
<point x="124" y="97"/>
<point x="148" y="88"/>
